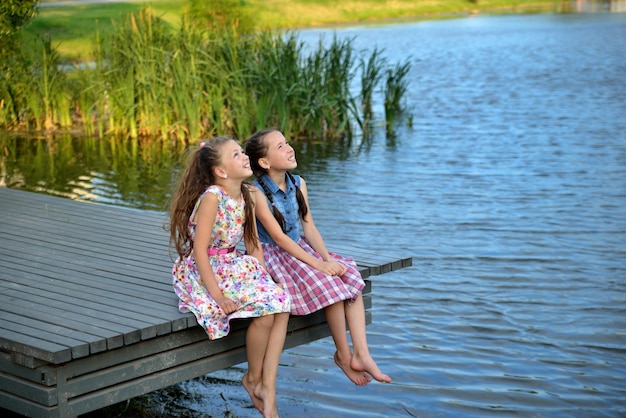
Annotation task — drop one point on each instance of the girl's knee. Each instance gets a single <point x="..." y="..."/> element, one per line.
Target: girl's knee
<point x="265" y="321"/>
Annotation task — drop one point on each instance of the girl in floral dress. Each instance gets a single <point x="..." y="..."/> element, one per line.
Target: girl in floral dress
<point x="212" y="210"/>
<point x="296" y="256"/>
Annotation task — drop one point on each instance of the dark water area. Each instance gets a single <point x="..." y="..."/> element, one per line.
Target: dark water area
<point x="508" y="190"/>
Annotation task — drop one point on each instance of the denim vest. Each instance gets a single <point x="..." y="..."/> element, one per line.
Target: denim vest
<point x="286" y="203"/>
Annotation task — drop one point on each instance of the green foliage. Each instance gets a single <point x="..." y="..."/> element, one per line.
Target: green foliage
<point x="14" y="14"/>
<point x="149" y="80"/>
<point x="371" y="74"/>
<point x="396" y="86"/>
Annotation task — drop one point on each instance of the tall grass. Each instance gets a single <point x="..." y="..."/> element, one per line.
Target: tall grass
<point x="371" y="71"/>
<point x="47" y="95"/>
<point x="154" y="82"/>
<point x="396" y="86"/>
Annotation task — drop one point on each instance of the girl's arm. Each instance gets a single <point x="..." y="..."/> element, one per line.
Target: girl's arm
<point x="266" y="217"/>
<point x="205" y="218"/>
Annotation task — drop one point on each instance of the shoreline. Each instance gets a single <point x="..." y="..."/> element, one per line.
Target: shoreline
<point x="510" y="9"/>
<point x="75" y="45"/>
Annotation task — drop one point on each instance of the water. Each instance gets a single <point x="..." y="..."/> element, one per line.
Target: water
<point x="509" y="191"/>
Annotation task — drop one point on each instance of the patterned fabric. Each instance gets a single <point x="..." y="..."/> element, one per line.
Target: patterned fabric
<point x="310" y="289"/>
<point x="240" y="277"/>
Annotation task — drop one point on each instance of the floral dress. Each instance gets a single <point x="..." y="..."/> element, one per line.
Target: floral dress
<point x="241" y="277"/>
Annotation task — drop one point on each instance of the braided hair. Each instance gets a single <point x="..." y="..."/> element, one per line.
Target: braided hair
<point x="195" y="179"/>
<point x="256" y="148"/>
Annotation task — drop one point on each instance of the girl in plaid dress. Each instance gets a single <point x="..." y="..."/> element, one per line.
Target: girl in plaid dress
<point x="211" y="212"/>
<point x="296" y="256"/>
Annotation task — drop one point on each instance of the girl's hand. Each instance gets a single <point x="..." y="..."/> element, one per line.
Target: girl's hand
<point x="227" y="305"/>
<point x="332" y="268"/>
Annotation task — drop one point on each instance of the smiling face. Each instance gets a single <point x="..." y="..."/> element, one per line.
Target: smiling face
<point x="234" y="162"/>
<point x="280" y="155"/>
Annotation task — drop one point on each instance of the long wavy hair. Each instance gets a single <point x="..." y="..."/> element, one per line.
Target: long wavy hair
<point x="256" y="148"/>
<point x="198" y="175"/>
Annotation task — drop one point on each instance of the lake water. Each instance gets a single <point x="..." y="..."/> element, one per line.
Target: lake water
<point x="509" y="192"/>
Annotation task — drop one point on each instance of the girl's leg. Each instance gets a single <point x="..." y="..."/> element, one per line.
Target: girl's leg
<point x="336" y="318"/>
<point x="361" y="359"/>
<point x="257" y="337"/>
<point x="266" y="388"/>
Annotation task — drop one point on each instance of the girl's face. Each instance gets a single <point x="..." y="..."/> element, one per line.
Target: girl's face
<point x="280" y="155"/>
<point x="235" y="163"/>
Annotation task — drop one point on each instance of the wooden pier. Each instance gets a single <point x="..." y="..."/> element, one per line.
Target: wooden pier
<point x="88" y="315"/>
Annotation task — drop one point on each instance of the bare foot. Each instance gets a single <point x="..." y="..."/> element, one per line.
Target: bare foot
<point x="369" y="365"/>
<point x="258" y="402"/>
<point x="268" y="397"/>
<point x="357" y="377"/>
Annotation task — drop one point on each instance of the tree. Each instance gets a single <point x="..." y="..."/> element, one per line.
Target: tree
<point x="14" y="14"/>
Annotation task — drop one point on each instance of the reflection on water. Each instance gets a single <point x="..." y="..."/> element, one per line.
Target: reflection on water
<point x="509" y="191"/>
<point x="131" y="173"/>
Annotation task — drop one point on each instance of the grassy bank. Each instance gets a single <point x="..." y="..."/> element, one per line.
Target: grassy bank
<point x="72" y="27"/>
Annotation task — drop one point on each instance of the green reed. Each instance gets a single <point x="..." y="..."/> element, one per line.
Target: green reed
<point x="47" y="98"/>
<point x="371" y="71"/>
<point x="151" y="81"/>
<point x="396" y="86"/>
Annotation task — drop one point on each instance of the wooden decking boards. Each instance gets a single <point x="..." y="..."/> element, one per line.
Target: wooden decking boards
<point x="88" y="316"/>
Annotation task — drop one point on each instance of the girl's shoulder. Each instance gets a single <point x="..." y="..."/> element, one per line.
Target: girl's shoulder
<point x="209" y="190"/>
<point x="216" y="190"/>
<point x="297" y="179"/>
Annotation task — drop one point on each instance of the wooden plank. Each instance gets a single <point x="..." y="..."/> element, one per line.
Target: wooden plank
<point x="65" y="258"/>
<point x="150" y="364"/>
<point x="94" y="245"/>
<point x="100" y="231"/>
<point x="379" y="263"/>
<point x="41" y="373"/>
<point x="29" y="390"/>
<point x="114" y="297"/>
<point x="53" y="333"/>
<point x="45" y="205"/>
<point x="26" y="407"/>
<point x="106" y="312"/>
<point x="33" y="346"/>
<point x="98" y="282"/>
<point x="53" y="352"/>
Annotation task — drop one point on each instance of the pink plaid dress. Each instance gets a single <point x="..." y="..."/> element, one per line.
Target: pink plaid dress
<point x="310" y="289"/>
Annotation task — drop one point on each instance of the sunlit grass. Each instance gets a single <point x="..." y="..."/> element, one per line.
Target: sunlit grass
<point x="73" y="27"/>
